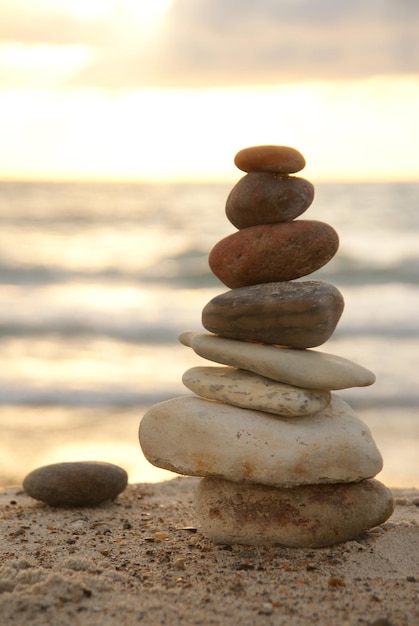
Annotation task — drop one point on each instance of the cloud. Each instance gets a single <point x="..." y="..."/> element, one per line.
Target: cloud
<point x="232" y="42"/>
<point x="45" y="23"/>
<point x="207" y="43"/>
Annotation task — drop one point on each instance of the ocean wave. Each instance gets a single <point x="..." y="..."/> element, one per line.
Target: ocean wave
<point x="386" y="331"/>
<point x="350" y="271"/>
<point x="185" y="270"/>
<point x="80" y="397"/>
<point x="53" y="396"/>
<point x="167" y="333"/>
<point x="377" y="401"/>
<point x="190" y="269"/>
<point x="135" y="334"/>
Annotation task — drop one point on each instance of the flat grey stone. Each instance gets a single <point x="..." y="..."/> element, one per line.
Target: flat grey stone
<point x="197" y="437"/>
<point x="312" y="516"/>
<point x="251" y="391"/>
<point x="309" y="369"/>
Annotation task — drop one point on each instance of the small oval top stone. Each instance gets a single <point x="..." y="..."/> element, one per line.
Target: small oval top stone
<point x="82" y="483"/>
<point x="278" y="159"/>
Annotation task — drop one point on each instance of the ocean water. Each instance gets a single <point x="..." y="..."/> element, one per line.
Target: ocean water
<point x="97" y="280"/>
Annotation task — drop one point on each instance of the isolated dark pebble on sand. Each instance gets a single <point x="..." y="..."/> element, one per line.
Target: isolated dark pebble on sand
<point x="82" y="483"/>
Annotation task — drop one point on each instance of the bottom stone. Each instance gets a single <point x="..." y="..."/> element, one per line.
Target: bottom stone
<point x="310" y="516"/>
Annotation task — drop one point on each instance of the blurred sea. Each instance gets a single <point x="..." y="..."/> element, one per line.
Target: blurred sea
<point x="97" y="280"/>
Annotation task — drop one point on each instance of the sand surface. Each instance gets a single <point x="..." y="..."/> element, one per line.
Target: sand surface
<point x="142" y="560"/>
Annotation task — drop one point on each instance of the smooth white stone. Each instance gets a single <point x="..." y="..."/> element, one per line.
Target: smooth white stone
<point x="304" y="517"/>
<point x="197" y="437"/>
<point x="251" y="391"/>
<point x="302" y="368"/>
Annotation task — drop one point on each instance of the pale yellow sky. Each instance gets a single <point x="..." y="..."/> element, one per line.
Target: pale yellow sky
<point x="103" y="90"/>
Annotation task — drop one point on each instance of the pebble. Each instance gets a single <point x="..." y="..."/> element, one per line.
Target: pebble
<point x="266" y="198"/>
<point x="251" y="391"/>
<point x="297" y="314"/>
<point x="81" y="483"/>
<point x="312" y="516"/>
<point x="278" y="159"/>
<point x="310" y="369"/>
<point x="273" y="252"/>
<point x="198" y="437"/>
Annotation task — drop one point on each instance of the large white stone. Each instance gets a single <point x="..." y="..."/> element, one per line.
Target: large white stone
<point x="303" y="368"/>
<point x="193" y="436"/>
<point x="304" y="517"/>
<point x="251" y="391"/>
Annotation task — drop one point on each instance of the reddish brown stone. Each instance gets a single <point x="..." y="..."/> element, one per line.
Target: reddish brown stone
<point x="295" y="314"/>
<point x="267" y="198"/>
<point x="273" y="252"/>
<point x="278" y="159"/>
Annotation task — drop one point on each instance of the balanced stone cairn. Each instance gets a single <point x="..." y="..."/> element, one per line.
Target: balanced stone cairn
<point x="283" y="460"/>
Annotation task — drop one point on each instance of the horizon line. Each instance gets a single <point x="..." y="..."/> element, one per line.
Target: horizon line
<point x="190" y="181"/>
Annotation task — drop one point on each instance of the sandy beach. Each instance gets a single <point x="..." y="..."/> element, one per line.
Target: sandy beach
<point x="142" y="559"/>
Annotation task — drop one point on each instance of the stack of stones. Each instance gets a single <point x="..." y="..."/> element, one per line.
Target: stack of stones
<point x="283" y="459"/>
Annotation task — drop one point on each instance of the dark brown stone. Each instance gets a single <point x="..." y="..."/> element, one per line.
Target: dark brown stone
<point x="83" y="483"/>
<point x="266" y="198"/>
<point x="278" y="159"/>
<point x="273" y="252"/>
<point x="294" y="314"/>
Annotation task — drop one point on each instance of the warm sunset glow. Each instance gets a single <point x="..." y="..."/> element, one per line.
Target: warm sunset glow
<point x="89" y="8"/>
<point x="41" y="65"/>
<point x="346" y="131"/>
<point x="148" y="10"/>
<point x="144" y="9"/>
<point x="132" y="90"/>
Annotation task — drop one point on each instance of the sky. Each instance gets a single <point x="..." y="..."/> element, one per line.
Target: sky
<point x="138" y="90"/>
